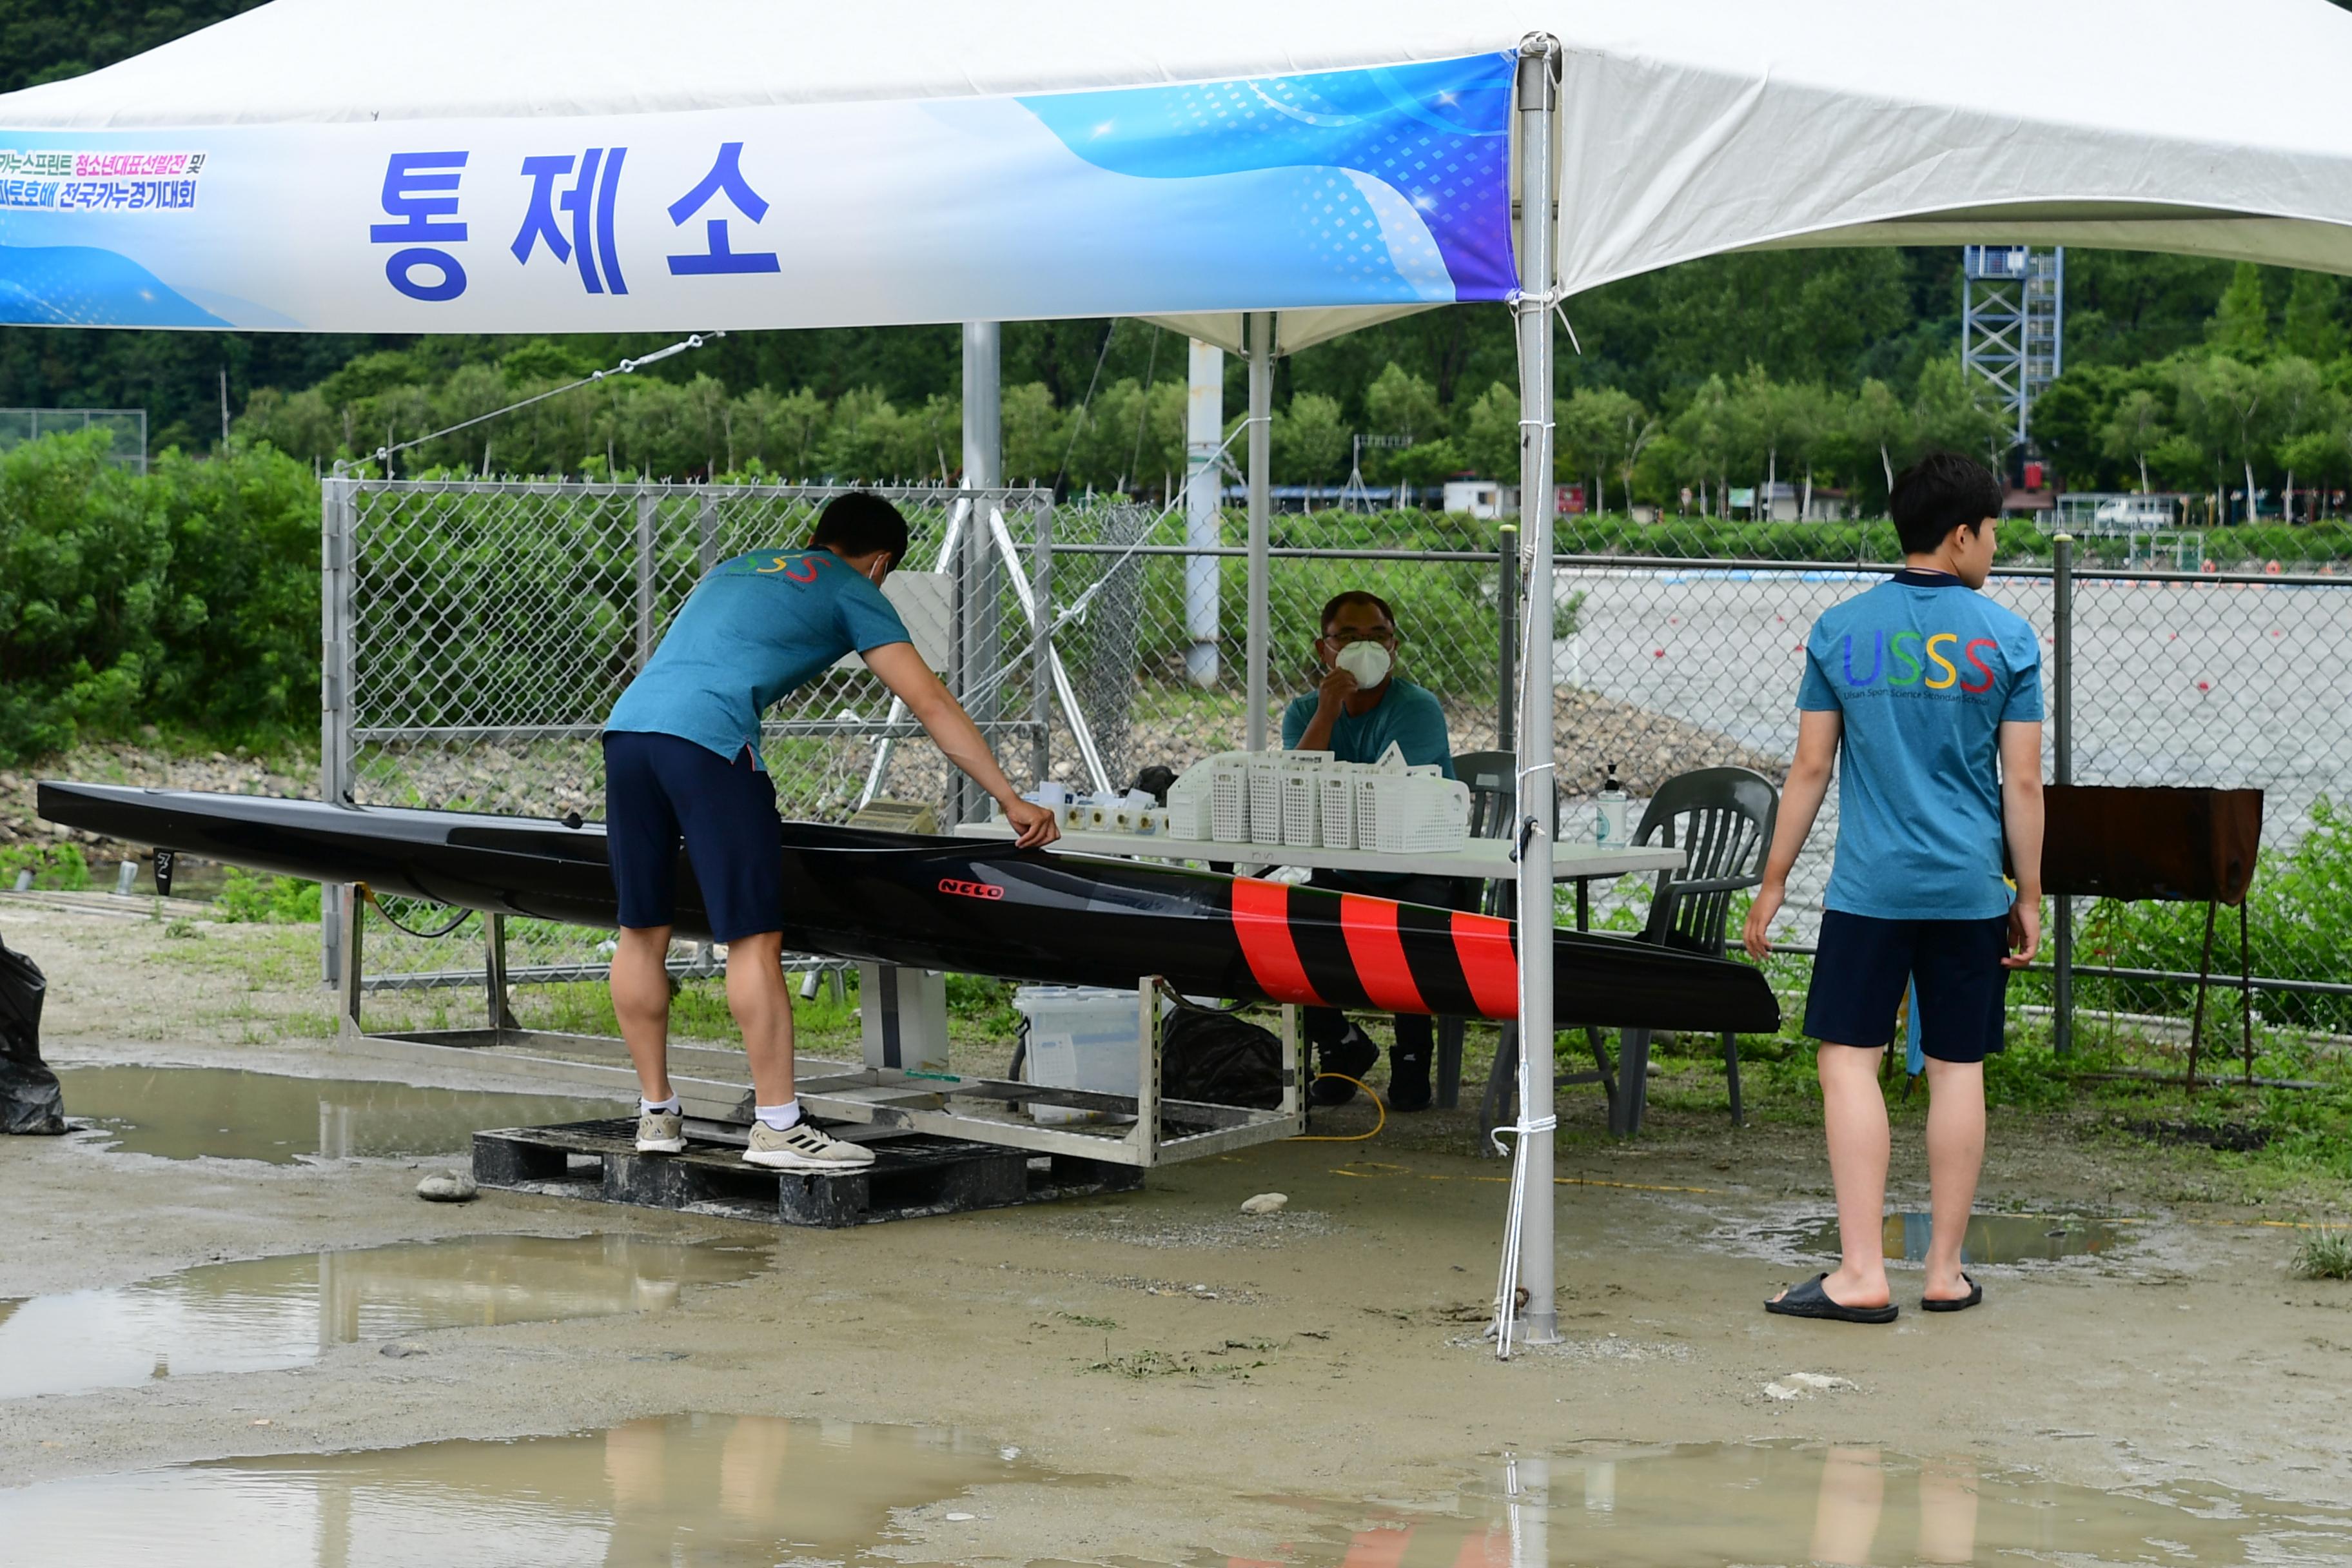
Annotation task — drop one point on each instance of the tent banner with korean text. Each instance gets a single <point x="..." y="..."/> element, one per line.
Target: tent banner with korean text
<point x="1388" y="185"/>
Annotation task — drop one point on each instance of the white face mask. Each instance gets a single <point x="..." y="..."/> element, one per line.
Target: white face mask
<point x="1368" y="662"/>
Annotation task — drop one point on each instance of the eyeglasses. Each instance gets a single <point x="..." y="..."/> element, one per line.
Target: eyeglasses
<point x="1348" y="635"/>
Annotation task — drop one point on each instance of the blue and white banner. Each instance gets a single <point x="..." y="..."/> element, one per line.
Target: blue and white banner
<point x="1360" y="187"/>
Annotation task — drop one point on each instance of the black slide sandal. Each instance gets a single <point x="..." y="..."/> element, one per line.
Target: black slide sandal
<point x="1955" y="1303"/>
<point x="1809" y="1300"/>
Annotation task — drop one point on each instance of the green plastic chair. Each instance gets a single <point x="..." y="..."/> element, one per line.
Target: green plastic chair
<point x="1722" y="820"/>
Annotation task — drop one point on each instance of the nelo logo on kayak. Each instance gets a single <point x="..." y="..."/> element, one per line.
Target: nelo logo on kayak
<point x="970" y="889"/>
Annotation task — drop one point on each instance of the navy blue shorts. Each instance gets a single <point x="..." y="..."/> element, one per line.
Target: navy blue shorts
<point x="659" y="789"/>
<point x="1864" y="965"/>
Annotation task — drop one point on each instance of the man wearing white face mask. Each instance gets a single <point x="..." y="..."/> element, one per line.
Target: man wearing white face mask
<point x="1360" y="710"/>
<point x="682" y="762"/>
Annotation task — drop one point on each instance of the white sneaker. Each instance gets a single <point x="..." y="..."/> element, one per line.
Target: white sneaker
<point x="661" y="1132"/>
<point x="802" y="1147"/>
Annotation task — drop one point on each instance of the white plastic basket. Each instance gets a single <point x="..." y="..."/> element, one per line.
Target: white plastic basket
<point x="1080" y="1036"/>
<point x="1229" y="799"/>
<point x="1265" y="798"/>
<point x="1301" y="821"/>
<point x="1418" y="813"/>
<point x="1192" y="803"/>
<point x="1337" y="808"/>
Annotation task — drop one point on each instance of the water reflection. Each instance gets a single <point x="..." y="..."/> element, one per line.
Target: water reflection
<point x="1742" y="1504"/>
<point x="700" y="1490"/>
<point x="1990" y="1238"/>
<point x="187" y="1113"/>
<point x="272" y="1313"/>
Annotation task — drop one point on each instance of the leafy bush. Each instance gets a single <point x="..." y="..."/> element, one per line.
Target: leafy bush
<point x="246" y="897"/>
<point x="185" y="597"/>
<point x="57" y="866"/>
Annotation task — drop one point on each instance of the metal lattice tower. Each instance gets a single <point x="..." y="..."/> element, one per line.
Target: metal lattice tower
<point x="2012" y="321"/>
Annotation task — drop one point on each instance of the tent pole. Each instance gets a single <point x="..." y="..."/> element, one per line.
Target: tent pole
<point x="978" y="589"/>
<point x="1204" y="435"/>
<point x="1261" y="514"/>
<point x="1539" y="1322"/>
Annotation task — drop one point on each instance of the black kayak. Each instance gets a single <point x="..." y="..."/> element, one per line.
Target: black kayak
<point x="972" y="906"/>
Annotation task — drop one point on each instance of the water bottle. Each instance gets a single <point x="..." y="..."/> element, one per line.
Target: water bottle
<point x="1609" y="812"/>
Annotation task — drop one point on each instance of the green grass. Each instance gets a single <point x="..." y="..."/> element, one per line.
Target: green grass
<point x="2290" y="1146"/>
<point x="2326" y="1256"/>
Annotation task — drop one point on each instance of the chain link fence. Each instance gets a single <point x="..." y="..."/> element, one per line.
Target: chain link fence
<point x="488" y="628"/>
<point x="477" y="634"/>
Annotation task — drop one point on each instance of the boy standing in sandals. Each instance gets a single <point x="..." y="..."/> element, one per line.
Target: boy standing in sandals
<point x="1933" y="695"/>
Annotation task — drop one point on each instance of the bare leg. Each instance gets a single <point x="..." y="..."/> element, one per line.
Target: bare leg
<point x="1947" y="1510"/>
<point x="762" y="1004"/>
<point x="1854" y="1112"/>
<point x="1846" y="1515"/>
<point x="641" y="1001"/>
<point x="1955" y="1141"/>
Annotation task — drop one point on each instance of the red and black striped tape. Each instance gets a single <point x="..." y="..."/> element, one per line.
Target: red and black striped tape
<point x="1327" y="948"/>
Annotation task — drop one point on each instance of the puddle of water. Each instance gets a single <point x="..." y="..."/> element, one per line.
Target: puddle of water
<point x="1724" y="1504"/>
<point x="273" y="1313"/>
<point x="710" y="1490"/>
<point x="1990" y="1238"/>
<point x="702" y="1489"/>
<point x="188" y="1113"/>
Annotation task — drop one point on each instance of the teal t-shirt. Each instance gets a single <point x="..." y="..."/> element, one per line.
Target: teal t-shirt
<point x="1406" y="714"/>
<point x="755" y="628"/>
<point x="1924" y="671"/>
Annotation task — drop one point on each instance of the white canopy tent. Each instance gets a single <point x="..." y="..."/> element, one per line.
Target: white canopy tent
<point x="1679" y="129"/>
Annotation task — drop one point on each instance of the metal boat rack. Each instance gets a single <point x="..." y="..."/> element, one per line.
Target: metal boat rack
<point x="901" y="1087"/>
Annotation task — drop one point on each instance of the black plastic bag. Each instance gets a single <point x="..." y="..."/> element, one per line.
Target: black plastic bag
<point x="30" y="1099"/>
<point x="1219" y="1059"/>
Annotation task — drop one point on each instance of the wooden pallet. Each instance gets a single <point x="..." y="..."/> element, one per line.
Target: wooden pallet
<point x="913" y="1176"/>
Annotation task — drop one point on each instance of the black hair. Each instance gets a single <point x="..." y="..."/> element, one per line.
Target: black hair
<point x="1940" y="492"/>
<point x="1339" y="602"/>
<point x="859" y="523"/>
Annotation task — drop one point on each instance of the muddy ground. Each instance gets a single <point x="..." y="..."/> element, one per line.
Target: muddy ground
<point x="1195" y="1358"/>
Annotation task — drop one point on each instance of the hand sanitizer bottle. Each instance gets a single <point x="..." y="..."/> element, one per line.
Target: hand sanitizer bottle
<point x="1609" y="812"/>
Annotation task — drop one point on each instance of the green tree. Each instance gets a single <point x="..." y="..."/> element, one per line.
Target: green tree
<point x="784" y="432"/>
<point x="1310" y="440"/>
<point x="1036" y="434"/>
<point x="1947" y="411"/>
<point x="1399" y="402"/>
<point x="1706" y="434"/>
<point x="2314" y="326"/>
<point x="1489" y="433"/>
<point x="2225" y="406"/>
<point x="297" y="424"/>
<point x="2323" y="452"/>
<point x="865" y="438"/>
<point x="2135" y="428"/>
<point x="2241" y="327"/>
<point x="1133" y="437"/>
<point x="1877" y="422"/>
<point x="1608" y="430"/>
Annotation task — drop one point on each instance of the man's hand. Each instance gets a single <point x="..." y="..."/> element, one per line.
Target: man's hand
<point x="1755" y="933"/>
<point x="1033" y="825"/>
<point x="1337" y="687"/>
<point x="2024" y="932"/>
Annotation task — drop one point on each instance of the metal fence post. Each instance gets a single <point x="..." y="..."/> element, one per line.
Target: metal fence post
<point x="2062" y="734"/>
<point x="706" y="527"/>
<point x="1507" y="607"/>
<point x="1041" y="656"/>
<point x="335" y="782"/>
<point x="644" y="575"/>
